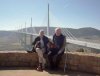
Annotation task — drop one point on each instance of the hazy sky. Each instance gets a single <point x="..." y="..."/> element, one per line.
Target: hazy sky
<point x="65" y="13"/>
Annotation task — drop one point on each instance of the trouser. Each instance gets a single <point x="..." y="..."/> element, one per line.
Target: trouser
<point x="54" y="60"/>
<point x="40" y="55"/>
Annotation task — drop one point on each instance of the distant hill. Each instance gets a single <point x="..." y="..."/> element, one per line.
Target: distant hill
<point x="9" y="41"/>
<point x="85" y="32"/>
<point x="9" y="35"/>
<point x="81" y="32"/>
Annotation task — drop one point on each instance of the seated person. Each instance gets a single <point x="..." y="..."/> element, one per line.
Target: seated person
<point x="55" y="53"/>
<point x="40" y="45"/>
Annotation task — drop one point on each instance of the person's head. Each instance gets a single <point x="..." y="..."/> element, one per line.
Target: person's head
<point x="58" y="31"/>
<point x="41" y="33"/>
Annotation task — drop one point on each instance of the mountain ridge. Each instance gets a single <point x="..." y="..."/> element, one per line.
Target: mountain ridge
<point x="81" y="32"/>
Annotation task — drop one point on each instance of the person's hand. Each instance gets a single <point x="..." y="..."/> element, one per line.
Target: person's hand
<point x="59" y="52"/>
<point x="49" y="52"/>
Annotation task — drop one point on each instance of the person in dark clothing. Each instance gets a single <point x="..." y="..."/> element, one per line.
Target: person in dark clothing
<point x="40" y="45"/>
<point x="55" y="53"/>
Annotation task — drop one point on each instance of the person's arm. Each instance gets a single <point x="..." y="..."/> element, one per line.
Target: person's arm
<point x="35" y="41"/>
<point x="53" y="39"/>
<point x="48" y="46"/>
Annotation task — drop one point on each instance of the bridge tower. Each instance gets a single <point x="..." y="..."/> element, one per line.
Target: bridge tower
<point x="48" y="25"/>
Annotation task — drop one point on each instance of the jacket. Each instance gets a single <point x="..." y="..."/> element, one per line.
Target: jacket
<point x="45" y="40"/>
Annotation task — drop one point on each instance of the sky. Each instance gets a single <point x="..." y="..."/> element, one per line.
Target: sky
<point x="63" y="13"/>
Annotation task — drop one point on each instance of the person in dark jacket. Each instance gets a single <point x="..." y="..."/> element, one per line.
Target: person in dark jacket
<point x="40" y="45"/>
<point x="55" y="54"/>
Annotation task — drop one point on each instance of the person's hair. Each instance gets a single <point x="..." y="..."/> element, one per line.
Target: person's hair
<point x="58" y="28"/>
<point x="41" y="31"/>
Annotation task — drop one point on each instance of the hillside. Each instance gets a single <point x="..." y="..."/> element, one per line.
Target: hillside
<point x="81" y="32"/>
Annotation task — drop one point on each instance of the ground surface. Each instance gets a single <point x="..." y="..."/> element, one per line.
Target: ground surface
<point x="33" y="72"/>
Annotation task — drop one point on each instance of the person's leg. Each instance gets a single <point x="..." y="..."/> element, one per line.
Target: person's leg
<point x="41" y="58"/>
<point x="51" y="63"/>
<point x="57" y="60"/>
<point x="51" y="58"/>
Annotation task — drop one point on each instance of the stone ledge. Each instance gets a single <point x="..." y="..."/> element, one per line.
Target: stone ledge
<point x="15" y="51"/>
<point x="75" y="60"/>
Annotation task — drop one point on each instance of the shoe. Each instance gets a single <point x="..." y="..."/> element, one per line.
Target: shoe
<point x="39" y="68"/>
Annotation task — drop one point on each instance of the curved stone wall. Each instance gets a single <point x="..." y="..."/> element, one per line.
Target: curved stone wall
<point x="78" y="61"/>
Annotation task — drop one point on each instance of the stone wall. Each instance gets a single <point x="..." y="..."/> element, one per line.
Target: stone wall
<point x="80" y="61"/>
<point x="18" y="59"/>
<point x="74" y="60"/>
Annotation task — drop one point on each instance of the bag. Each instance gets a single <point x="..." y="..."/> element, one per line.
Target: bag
<point x="51" y="45"/>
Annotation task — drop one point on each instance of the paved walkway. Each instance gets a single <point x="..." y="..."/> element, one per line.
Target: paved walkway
<point x="32" y="72"/>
